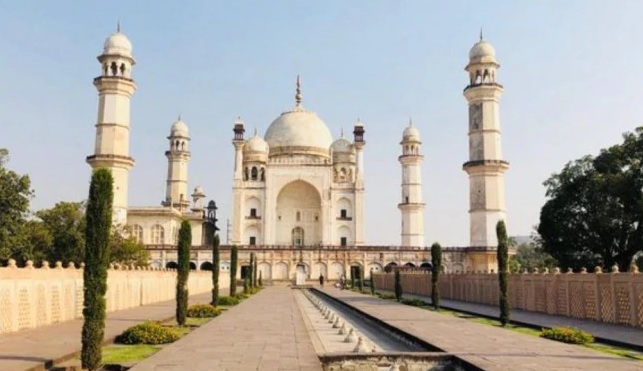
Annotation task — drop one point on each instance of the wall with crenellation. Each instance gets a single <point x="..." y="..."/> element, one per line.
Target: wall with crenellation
<point x="615" y="297"/>
<point x="33" y="297"/>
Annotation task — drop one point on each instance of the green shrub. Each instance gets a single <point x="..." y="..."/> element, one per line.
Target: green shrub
<point x="568" y="335"/>
<point x="228" y="300"/>
<point x="255" y="290"/>
<point x="148" y="333"/>
<point x="414" y="302"/>
<point x="203" y="311"/>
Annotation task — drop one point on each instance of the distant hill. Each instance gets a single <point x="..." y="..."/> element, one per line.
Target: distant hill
<point x="523" y="239"/>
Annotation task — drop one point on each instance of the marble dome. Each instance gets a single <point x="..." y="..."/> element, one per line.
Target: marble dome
<point x="342" y="145"/>
<point x="179" y="129"/>
<point x="298" y="130"/>
<point x="411" y="133"/>
<point x="255" y="144"/>
<point x="118" y="44"/>
<point x="482" y="49"/>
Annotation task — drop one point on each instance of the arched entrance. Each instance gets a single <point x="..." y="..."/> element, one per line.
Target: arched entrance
<point x="390" y="267"/>
<point x="171" y="265"/>
<point x="206" y="266"/>
<point x="299" y="219"/>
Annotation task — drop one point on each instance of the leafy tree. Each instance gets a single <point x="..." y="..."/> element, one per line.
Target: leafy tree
<point x="530" y="256"/>
<point x="503" y="255"/>
<point x="436" y="265"/>
<point x="66" y="224"/>
<point x="15" y="194"/>
<point x="125" y="249"/>
<point x="216" y="262"/>
<point x="398" y="285"/>
<point x="594" y="214"/>
<point x="185" y="240"/>
<point x="233" y="270"/>
<point x="35" y="246"/>
<point x="97" y="233"/>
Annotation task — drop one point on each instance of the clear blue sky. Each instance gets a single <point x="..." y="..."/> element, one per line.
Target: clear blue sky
<point x="571" y="70"/>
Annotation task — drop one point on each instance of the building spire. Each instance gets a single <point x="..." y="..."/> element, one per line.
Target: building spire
<point x="179" y="119"/>
<point x="410" y="121"/>
<point x="298" y="96"/>
<point x="118" y="26"/>
<point x="255" y="131"/>
<point x="341" y="133"/>
<point x="480" y="33"/>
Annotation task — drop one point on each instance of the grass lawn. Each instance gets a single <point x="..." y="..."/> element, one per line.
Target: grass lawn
<point x="124" y="354"/>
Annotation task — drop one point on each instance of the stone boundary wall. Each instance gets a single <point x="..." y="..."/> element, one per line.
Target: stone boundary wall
<point x="605" y="297"/>
<point x="33" y="297"/>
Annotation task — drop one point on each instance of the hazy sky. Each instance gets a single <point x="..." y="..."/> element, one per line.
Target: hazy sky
<point x="571" y="72"/>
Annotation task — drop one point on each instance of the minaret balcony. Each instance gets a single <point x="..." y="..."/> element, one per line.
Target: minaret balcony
<point x="483" y="84"/>
<point x="490" y="164"/>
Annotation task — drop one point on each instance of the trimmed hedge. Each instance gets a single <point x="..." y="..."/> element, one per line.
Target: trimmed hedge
<point x="148" y="333"/>
<point x="228" y="300"/>
<point x="568" y="335"/>
<point x="203" y="311"/>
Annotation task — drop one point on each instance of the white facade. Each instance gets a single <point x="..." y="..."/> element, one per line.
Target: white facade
<point x="296" y="186"/>
<point x="411" y="204"/>
<point x="115" y="89"/>
<point x="485" y="167"/>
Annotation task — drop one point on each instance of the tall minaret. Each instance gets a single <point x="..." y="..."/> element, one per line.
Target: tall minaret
<point x="485" y="167"/>
<point x="359" y="143"/>
<point x="115" y="89"/>
<point x="178" y="156"/>
<point x="412" y="207"/>
<point x="237" y="189"/>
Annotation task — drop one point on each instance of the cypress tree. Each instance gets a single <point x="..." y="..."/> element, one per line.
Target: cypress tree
<point x="372" y="278"/>
<point x="246" y="284"/>
<point x="436" y="262"/>
<point x="398" y="285"/>
<point x="98" y="217"/>
<point x="233" y="271"/>
<point x="254" y="270"/>
<point x="503" y="258"/>
<point x="251" y="272"/>
<point x="185" y="240"/>
<point x="260" y="280"/>
<point x="360" y="279"/>
<point x="215" y="270"/>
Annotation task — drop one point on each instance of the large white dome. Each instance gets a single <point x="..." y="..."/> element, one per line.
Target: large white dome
<point x="298" y="131"/>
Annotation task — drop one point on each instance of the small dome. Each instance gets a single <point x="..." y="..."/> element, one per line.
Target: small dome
<point x="198" y="191"/>
<point x="117" y="43"/>
<point x="482" y="49"/>
<point x="342" y="145"/>
<point x="411" y="133"/>
<point x="256" y="144"/>
<point x="300" y="129"/>
<point x="179" y="129"/>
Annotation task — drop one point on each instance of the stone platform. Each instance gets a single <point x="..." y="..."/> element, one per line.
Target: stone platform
<point x="487" y="347"/>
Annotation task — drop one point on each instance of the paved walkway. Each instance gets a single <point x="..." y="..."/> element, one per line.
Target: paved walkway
<point x="266" y="332"/>
<point x="609" y="333"/>
<point x="39" y="348"/>
<point x="487" y="347"/>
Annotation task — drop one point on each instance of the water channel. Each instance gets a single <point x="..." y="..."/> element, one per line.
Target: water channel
<point x="346" y="339"/>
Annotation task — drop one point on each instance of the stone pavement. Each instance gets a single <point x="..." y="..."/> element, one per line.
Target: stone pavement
<point x="265" y="332"/>
<point x="40" y="348"/>
<point x="487" y="347"/>
<point x="607" y="332"/>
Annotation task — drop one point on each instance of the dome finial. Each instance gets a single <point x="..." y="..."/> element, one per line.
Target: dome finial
<point x="298" y="95"/>
<point x="179" y="119"/>
<point x="410" y="121"/>
<point x="480" y="33"/>
<point x="118" y="26"/>
<point x="255" y="131"/>
<point x="341" y="133"/>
